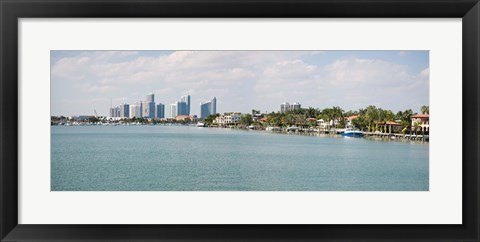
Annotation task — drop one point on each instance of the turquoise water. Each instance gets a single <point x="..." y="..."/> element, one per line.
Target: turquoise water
<point x="181" y="158"/>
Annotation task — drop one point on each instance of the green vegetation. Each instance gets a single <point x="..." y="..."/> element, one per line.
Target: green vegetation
<point x="369" y="119"/>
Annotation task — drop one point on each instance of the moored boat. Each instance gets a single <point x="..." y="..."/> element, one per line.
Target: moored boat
<point x="352" y="133"/>
<point x="200" y="124"/>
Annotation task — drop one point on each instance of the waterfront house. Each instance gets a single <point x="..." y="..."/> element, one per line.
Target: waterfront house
<point x="389" y="127"/>
<point x="183" y="117"/>
<point x="322" y="123"/>
<point x="228" y="118"/>
<point x="350" y="121"/>
<point x="422" y="121"/>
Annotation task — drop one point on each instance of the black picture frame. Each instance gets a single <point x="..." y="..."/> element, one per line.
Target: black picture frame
<point x="12" y="10"/>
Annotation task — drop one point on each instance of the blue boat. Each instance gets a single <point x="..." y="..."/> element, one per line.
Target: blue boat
<point x="352" y="133"/>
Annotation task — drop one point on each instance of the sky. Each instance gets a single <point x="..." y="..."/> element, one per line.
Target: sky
<point x="84" y="81"/>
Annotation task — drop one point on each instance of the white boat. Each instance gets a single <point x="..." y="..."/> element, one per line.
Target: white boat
<point x="251" y="127"/>
<point x="270" y="128"/>
<point x="353" y="133"/>
<point x="200" y="124"/>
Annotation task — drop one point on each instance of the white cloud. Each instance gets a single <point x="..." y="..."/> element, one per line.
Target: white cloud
<point x="241" y="80"/>
<point x="89" y="88"/>
<point x="355" y="73"/>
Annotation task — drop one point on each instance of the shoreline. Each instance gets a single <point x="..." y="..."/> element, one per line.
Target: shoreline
<point x="307" y="132"/>
<point x="368" y="135"/>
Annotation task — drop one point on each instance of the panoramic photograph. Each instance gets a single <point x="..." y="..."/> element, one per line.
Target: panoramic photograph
<point x="316" y="120"/>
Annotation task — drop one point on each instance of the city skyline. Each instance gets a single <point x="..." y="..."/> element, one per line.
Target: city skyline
<point x="84" y="81"/>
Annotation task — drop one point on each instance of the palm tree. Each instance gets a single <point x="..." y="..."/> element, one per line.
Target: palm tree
<point x="416" y="126"/>
<point x="425" y="109"/>
<point x="337" y="114"/>
<point x="371" y="115"/>
<point x="327" y="115"/>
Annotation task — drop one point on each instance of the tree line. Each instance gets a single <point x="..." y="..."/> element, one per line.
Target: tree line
<point x="369" y="118"/>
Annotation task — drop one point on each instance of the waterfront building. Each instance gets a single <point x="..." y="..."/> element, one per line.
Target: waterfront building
<point x="148" y="107"/>
<point x="285" y="107"/>
<point x="173" y="110"/>
<point x="422" y="120"/>
<point x="390" y="127"/>
<point x="160" y="112"/>
<point x="182" y="108"/>
<point x="139" y="110"/>
<point x="183" y="118"/>
<point x="124" y="110"/>
<point x="112" y="112"/>
<point x="323" y="124"/>
<point x="133" y="111"/>
<point x="185" y="99"/>
<point x="115" y="112"/>
<point x="148" y="110"/>
<point x="228" y="118"/>
<point x="208" y="108"/>
<point x="350" y="121"/>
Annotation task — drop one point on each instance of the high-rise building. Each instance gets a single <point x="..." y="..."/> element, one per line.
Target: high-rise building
<point x="208" y="108"/>
<point x="149" y="109"/>
<point x="173" y="110"/>
<point x="112" y="112"/>
<point x="182" y="108"/>
<point x="115" y="112"/>
<point x="139" y="113"/>
<point x="151" y="98"/>
<point x="160" y="112"/>
<point x="185" y="99"/>
<point x="285" y="107"/>
<point x="133" y="110"/>
<point x="124" y="110"/>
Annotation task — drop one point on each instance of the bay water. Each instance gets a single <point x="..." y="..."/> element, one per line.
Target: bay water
<point x="188" y="158"/>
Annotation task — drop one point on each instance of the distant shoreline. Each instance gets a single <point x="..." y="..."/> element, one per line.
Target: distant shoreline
<point x="368" y="135"/>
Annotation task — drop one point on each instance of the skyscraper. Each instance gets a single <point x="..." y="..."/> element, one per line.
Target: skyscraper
<point x="124" y="110"/>
<point x="149" y="106"/>
<point x="182" y="108"/>
<point x="173" y="110"/>
<point x="296" y="106"/>
<point x="151" y="98"/>
<point x="185" y="99"/>
<point x="139" y="113"/>
<point x="149" y="110"/>
<point x="133" y="111"/>
<point x="160" y="111"/>
<point x="115" y="112"/>
<point x="208" y="108"/>
<point x="285" y="107"/>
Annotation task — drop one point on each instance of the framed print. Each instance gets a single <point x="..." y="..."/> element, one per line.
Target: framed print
<point x="265" y="120"/>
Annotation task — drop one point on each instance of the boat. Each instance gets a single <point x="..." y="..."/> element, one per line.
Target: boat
<point x="251" y="127"/>
<point x="273" y="129"/>
<point x="292" y="129"/>
<point x="200" y="124"/>
<point x="352" y="133"/>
